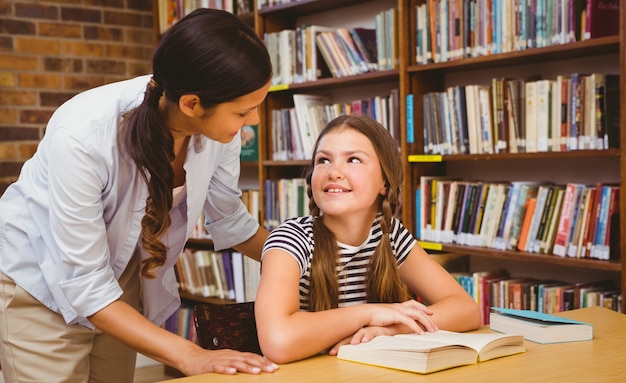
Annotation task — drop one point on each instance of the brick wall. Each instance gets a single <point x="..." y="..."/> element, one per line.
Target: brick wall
<point x="51" y="50"/>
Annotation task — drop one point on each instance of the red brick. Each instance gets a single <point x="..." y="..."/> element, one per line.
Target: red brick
<point x="80" y="83"/>
<point x="139" y="68"/>
<point x="6" y="8"/>
<point x="8" y="151"/>
<point x="14" y="133"/>
<point x="8" y="116"/>
<point x="102" y="33"/>
<point x="56" y="64"/>
<point x="60" y="30"/>
<point x="145" y="37"/>
<point x="36" y="11"/>
<point x="39" y="80"/>
<point x="18" y="97"/>
<point x="17" y="27"/>
<point x="7" y="80"/>
<point x="27" y="150"/>
<point x="36" y="45"/>
<point x="54" y="99"/>
<point x="32" y="116"/>
<point x="12" y="61"/>
<point x="6" y="44"/>
<point x="81" y="48"/>
<point x="127" y="19"/>
<point x="105" y="67"/>
<point x="11" y="168"/>
<point x="127" y="52"/>
<point x="140" y="5"/>
<point x="106" y="3"/>
<point x="81" y="15"/>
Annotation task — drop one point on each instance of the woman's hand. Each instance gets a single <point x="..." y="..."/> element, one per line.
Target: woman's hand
<point x="227" y="362"/>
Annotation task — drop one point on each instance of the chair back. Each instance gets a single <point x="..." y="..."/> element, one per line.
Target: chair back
<point x="228" y="325"/>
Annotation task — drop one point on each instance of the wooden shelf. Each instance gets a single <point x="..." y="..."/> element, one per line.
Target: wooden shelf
<point x="334" y="82"/>
<point x="609" y="153"/>
<point x="587" y="263"/>
<point x="579" y="49"/>
<point x="300" y="8"/>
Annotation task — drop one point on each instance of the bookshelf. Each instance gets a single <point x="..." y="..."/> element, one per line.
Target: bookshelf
<point x="603" y="54"/>
<point x="340" y="90"/>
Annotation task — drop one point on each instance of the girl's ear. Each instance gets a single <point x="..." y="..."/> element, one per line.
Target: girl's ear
<point x="383" y="190"/>
<point x="189" y="105"/>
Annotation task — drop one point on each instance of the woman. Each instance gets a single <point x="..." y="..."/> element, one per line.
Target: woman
<point x="91" y="230"/>
<point x="343" y="274"/>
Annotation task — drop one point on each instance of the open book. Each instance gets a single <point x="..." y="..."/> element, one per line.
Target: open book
<point x="431" y="352"/>
<point x="539" y="327"/>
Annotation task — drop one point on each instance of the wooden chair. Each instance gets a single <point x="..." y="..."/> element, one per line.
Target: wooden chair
<point x="230" y="325"/>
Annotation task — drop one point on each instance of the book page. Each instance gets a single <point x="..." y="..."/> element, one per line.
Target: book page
<point x="488" y="345"/>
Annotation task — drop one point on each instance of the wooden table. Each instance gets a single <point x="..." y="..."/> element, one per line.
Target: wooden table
<point x="602" y="359"/>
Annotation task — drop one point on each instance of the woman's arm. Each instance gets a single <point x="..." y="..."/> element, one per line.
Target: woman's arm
<point x="253" y="246"/>
<point x="452" y="307"/>
<point x="128" y="326"/>
<point x="287" y="334"/>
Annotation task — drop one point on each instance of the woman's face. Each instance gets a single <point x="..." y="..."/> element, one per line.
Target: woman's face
<point x="223" y="122"/>
<point x="347" y="177"/>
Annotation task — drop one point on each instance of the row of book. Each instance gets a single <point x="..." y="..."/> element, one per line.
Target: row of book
<point x="285" y="198"/>
<point x="294" y="131"/>
<point x="182" y="323"/>
<point x="170" y="11"/>
<point x="575" y="112"/>
<point x="496" y="288"/>
<point x="224" y="275"/>
<point x="249" y="197"/>
<point x="572" y="220"/>
<point x="451" y="29"/>
<point x="270" y="3"/>
<point x="310" y="52"/>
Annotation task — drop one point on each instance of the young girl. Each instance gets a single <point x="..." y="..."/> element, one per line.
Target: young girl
<point x="91" y="230"/>
<point x="344" y="274"/>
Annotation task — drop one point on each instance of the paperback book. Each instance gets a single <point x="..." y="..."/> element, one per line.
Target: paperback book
<point x="430" y="352"/>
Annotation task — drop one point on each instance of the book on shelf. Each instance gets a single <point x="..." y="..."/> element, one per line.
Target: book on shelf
<point x="430" y="352"/>
<point x="602" y="18"/>
<point x="365" y="42"/>
<point x="249" y="143"/>
<point x="309" y="125"/>
<point x="539" y="327"/>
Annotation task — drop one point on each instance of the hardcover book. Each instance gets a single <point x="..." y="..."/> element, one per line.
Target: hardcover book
<point x="430" y="352"/>
<point x="249" y="143"/>
<point x="602" y="18"/>
<point x="539" y="327"/>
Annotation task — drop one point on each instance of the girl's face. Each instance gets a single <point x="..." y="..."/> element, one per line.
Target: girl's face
<point x="347" y="177"/>
<point x="223" y="122"/>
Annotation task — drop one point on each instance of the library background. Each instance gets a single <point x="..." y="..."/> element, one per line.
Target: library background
<point x="506" y="113"/>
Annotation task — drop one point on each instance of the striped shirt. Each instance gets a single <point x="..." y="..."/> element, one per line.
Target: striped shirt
<point x="295" y="236"/>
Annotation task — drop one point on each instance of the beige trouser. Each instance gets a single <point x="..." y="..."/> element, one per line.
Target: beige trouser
<point x="38" y="346"/>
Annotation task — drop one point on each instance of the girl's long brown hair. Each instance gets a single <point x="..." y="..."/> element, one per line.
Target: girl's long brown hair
<point x="382" y="281"/>
<point x="208" y="53"/>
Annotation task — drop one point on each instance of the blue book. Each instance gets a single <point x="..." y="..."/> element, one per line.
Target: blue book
<point x="539" y="327"/>
<point x="410" y="128"/>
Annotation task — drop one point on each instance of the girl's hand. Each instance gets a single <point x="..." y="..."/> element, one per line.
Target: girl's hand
<point x="366" y="334"/>
<point x="411" y="313"/>
<point x="227" y="362"/>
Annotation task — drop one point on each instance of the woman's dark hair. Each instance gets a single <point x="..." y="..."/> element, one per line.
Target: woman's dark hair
<point x="382" y="281"/>
<point x="208" y="53"/>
